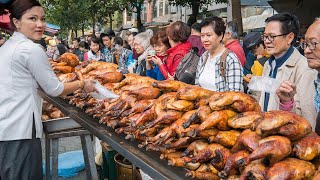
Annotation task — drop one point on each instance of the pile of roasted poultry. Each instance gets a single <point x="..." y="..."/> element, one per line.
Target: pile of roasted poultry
<point x="49" y="111"/>
<point x="214" y="135"/>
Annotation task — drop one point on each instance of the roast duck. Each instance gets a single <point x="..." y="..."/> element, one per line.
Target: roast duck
<point x="213" y="135"/>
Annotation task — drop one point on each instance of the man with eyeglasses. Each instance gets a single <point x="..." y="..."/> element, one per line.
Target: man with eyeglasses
<point x="287" y="65"/>
<point x="312" y="53"/>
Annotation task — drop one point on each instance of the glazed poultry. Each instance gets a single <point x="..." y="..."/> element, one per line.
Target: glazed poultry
<point x="145" y="93"/>
<point x="68" y="77"/>
<point x="217" y="119"/>
<point x="291" y="168"/>
<point x="100" y="72"/>
<point x="110" y="77"/>
<point x="238" y="101"/>
<point x="248" y="140"/>
<point x="192" y="93"/>
<point x="63" y="69"/>
<point x="225" y="138"/>
<point x="235" y="164"/>
<point x="272" y="148"/>
<point x="205" y="171"/>
<point x="308" y="147"/>
<point x="283" y="123"/>
<point x="202" y="113"/>
<point x="169" y="85"/>
<point x="69" y="58"/>
<point x="180" y="105"/>
<point x="96" y="65"/>
<point x="245" y="120"/>
<point x="195" y="147"/>
<point x="255" y="170"/>
<point x="216" y="152"/>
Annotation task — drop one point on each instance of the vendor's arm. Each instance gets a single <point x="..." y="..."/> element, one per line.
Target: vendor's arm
<point x="37" y="63"/>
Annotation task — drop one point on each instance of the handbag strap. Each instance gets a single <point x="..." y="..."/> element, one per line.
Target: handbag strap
<point x="223" y="64"/>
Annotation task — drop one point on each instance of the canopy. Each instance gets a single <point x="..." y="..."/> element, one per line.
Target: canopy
<point x="256" y="22"/>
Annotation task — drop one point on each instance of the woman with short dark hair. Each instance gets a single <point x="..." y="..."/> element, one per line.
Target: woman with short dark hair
<point x="24" y="68"/>
<point x="178" y="34"/>
<point x="209" y="73"/>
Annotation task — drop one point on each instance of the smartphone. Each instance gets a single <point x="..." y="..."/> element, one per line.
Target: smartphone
<point x="151" y="52"/>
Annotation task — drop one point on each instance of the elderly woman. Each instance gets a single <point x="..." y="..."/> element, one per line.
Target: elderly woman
<point x="209" y="73"/>
<point x="178" y="34"/>
<point x="122" y="53"/>
<point x="160" y="44"/>
<point x="142" y="46"/>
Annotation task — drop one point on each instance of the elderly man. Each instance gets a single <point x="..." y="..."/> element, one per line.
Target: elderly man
<point x="230" y="41"/>
<point x="287" y="90"/>
<point x="287" y="64"/>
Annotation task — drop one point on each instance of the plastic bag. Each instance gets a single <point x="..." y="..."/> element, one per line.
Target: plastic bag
<point x="102" y="92"/>
<point x="263" y="83"/>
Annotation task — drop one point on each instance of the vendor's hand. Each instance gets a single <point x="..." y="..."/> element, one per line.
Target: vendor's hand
<point x="89" y="86"/>
<point x="156" y="60"/>
<point x="286" y="91"/>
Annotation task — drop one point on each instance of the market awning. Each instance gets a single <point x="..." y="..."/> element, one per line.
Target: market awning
<point x="51" y="29"/>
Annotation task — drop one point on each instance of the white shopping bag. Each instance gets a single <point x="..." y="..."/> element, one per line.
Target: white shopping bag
<point x="263" y="83"/>
<point x="102" y="92"/>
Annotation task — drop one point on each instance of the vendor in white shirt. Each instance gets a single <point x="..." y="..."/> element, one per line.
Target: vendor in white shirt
<point x="24" y="67"/>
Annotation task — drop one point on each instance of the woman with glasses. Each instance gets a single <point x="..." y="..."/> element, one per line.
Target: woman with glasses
<point x="287" y="65"/>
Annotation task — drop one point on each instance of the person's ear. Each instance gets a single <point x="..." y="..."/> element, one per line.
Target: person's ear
<point x="16" y="23"/>
<point x="290" y="38"/>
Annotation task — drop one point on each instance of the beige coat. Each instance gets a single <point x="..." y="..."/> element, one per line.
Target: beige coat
<point x="295" y="70"/>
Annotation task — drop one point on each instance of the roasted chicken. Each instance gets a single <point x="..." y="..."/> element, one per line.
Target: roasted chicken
<point x="308" y="147"/>
<point x="283" y="123"/>
<point x="169" y="85"/>
<point x="235" y="164"/>
<point x="245" y="120"/>
<point x="291" y="168"/>
<point x="238" y="101"/>
<point x="272" y="148"/>
<point x="255" y="170"/>
<point x="192" y="93"/>
<point x="225" y="138"/>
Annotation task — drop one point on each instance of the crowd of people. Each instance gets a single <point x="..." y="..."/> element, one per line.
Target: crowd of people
<point x="223" y="63"/>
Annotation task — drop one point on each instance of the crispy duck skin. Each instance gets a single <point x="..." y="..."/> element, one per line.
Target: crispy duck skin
<point x="100" y="72"/>
<point x="202" y="175"/>
<point x="195" y="147"/>
<point x="308" y="147"/>
<point x="239" y="101"/>
<point x="140" y="106"/>
<point x="180" y="105"/>
<point x="166" y="117"/>
<point x="255" y="170"/>
<point x="63" y="69"/>
<point x="235" y="164"/>
<point x="95" y="65"/>
<point x="180" y="143"/>
<point x="110" y="77"/>
<point x="245" y="120"/>
<point x="69" y="58"/>
<point x="145" y="93"/>
<point x="216" y="152"/>
<point x="213" y="119"/>
<point x="179" y="162"/>
<point x="283" y="123"/>
<point x="248" y="140"/>
<point x="291" y="168"/>
<point x="208" y="133"/>
<point x="169" y="85"/>
<point x="272" y="148"/>
<point x="192" y="93"/>
<point x="225" y="138"/>
<point x="145" y="116"/>
<point x="133" y="87"/>
<point x="68" y="77"/>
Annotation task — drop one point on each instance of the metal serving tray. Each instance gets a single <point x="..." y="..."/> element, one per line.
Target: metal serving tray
<point x="60" y="124"/>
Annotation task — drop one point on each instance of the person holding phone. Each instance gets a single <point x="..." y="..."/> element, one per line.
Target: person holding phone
<point x="160" y="44"/>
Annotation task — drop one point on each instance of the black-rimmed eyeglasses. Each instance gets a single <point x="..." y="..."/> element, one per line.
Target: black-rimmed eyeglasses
<point x="271" y="37"/>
